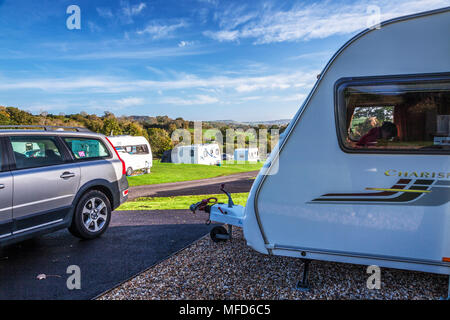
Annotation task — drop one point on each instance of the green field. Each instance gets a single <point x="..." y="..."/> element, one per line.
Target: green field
<point x="171" y="172"/>
<point x="179" y="202"/>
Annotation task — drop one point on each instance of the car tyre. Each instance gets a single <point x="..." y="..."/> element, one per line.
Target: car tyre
<point x="92" y="215"/>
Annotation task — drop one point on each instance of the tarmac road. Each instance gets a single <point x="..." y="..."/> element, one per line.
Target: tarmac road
<point x="134" y="241"/>
<point x="235" y="183"/>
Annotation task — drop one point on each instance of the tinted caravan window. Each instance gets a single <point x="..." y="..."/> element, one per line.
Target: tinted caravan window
<point x="138" y="149"/>
<point x="406" y="115"/>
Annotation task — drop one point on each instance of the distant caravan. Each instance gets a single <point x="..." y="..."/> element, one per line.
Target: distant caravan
<point x="208" y="154"/>
<point x="362" y="174"/>
<point x="135" y="151"/>
<point x="246" y="154"/>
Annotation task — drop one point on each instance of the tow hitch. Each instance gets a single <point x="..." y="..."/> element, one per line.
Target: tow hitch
<point x="230" y="214"/>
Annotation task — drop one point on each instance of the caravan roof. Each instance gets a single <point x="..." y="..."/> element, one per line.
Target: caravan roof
<point x="127" y="140"/>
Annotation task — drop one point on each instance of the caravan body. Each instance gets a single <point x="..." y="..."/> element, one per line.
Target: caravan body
<point x="208" y="154"/>
<point x="246" y="154"/>
<point x="322" y="196"/>
<point x="135" y="151"/>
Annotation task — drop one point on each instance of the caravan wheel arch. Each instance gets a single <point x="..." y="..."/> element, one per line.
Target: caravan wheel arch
<point x="280" y="218"/>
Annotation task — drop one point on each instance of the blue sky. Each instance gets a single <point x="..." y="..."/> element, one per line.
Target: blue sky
<point x="196" y="59"/>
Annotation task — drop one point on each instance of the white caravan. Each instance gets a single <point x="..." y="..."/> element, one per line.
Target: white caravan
<point x="246" y="154"/>
<point x="339" y="187"/>
<point x="135" y="151"/>
<point x="208" y="154"/>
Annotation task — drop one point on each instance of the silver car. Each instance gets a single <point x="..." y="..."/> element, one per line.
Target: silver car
<point x="56" y="178"/>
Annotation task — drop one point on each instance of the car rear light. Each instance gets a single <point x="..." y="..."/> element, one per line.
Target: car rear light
<point x="124" y="169"/>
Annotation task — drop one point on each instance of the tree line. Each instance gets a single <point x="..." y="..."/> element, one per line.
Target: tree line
<point x="157" y="130"/>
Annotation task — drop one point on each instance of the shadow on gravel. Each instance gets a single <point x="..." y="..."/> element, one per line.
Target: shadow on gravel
<point x="134" y="242"/>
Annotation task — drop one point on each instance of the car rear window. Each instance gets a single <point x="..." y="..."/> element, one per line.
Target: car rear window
<point x="34" y="151"/>
<point x="85" y="148"/>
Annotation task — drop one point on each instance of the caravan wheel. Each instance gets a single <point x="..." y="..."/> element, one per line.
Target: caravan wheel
<point x="129" y="171"/>
<point x="219" y="234"/>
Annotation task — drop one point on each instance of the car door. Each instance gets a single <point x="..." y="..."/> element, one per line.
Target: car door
<point x="6" y="193"/>
<point x="45" y="181"/>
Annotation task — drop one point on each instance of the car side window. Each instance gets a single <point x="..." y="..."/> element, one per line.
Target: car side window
<point x="35" y="151"/>
<point x="85" y="148"/>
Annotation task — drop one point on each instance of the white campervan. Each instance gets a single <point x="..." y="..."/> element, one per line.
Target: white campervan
<point x="208" y="154"/>
<point x="135" y="151"/>
<point x="362" y="174"/>
<point x="246" y="154"/>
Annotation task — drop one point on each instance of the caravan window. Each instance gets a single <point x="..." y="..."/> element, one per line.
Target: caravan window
<point x="138" y="149"/>
<point x="394" y="114"/>
<point x="141" y="149"/>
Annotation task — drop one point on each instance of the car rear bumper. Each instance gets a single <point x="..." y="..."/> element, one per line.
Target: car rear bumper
<point x="123" y="190"/>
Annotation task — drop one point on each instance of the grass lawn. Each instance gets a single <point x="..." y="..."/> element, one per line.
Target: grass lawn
<point x="171" y="172"/>
<point x="179" y="202"/>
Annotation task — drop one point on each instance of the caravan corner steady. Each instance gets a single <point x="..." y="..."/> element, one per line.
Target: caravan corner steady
<point x="339" y="187"/>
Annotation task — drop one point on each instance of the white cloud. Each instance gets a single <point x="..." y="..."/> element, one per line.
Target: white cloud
<point x="182" y="44"/>
<point x="93" y="27"/>
<point x="125" y="13"/>
<point x="304" y="22"/>
<point x="313" y="55"/>
<point x="131" y="54"/>
<point x="238" y="84"/>
<point x="105" y="12"/>
<point x="128" y="12"/>
<point x="158" y="31"/>
<point x="212" y="2"/>
<point x="195" y="100"/>
<point x="129" y="102"/>
<point x="223" y="35"/>
<point x="136" y="9"/>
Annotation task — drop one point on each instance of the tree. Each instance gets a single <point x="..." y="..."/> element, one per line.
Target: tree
<point x="159" y="141"/>
<point x="135" y="129"/>
<point x="172" y="127"/>
<point x="111" y="126"/>
<point x="4" y="116"/>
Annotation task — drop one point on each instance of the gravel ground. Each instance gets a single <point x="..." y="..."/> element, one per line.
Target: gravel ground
<point x="232" y="270"/>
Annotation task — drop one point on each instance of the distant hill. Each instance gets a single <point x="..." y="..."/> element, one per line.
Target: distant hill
<point x="280" y="122"/>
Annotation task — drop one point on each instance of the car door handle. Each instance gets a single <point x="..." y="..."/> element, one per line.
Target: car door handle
<point x="67" y="175"/>
<point x="2" y="186"/>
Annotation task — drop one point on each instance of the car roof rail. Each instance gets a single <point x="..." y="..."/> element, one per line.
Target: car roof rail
<point x="44" y="127"/>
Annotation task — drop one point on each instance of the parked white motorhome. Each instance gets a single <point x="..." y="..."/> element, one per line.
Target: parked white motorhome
<point x="135" y="151"/>
<point x="342" y="185"/>
<point x="246" y="154"/>
<point x="208" y="154"/>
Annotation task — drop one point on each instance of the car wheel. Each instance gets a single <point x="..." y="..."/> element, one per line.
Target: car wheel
<point x="129" y="171"/>
<point x="92" y="215"/>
